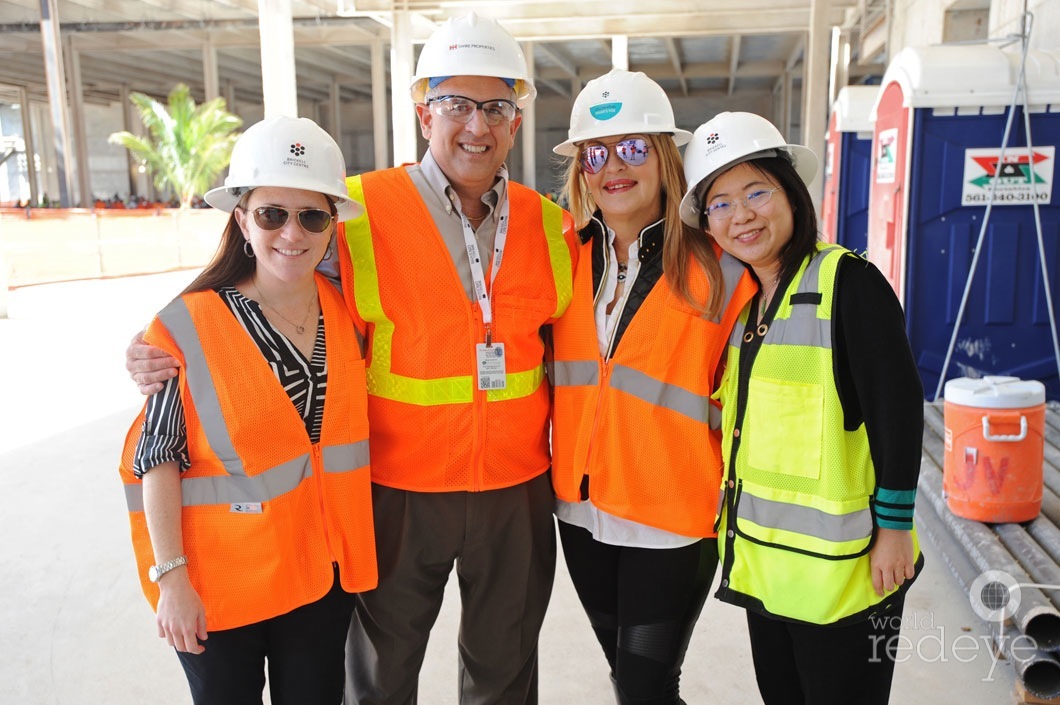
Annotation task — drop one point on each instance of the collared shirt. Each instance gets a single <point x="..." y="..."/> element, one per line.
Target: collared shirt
<point x="444" y="206"/>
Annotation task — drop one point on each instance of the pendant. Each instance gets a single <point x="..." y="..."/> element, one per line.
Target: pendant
<point x="300" y="329"/>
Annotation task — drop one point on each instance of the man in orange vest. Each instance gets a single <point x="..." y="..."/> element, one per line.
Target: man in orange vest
<point x="458" y="401"/>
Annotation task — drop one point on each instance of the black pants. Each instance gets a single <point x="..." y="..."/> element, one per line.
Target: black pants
<point x="807" y="664"/>
<point x="305" y="650"/>
<point x="642" y="603"/>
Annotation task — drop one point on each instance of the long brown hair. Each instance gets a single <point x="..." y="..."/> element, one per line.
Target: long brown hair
<point x="682" y="245"/>
<point x="230" y="264"/>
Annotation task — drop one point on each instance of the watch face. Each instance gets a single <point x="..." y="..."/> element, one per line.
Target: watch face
<point x="152" y="574"/>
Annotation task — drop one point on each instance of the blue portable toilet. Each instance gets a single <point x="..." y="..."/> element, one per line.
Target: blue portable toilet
<point x="847" y="171"/>
<point x="939" y="122"/>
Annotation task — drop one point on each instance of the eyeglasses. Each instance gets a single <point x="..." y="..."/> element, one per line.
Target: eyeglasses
<point x="722" y="210"/>
<point x="461" y="109"/>
<point x="632" y="151"/>
<point x="312" y="220"/>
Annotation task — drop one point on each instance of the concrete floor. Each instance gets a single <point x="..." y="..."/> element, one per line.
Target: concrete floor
<point x="76" y="629"/>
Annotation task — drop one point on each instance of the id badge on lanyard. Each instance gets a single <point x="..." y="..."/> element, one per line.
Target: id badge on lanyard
<point x="489" y="356"/>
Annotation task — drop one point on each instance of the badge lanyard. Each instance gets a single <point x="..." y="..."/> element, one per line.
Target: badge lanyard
<point x="490" y="356"/>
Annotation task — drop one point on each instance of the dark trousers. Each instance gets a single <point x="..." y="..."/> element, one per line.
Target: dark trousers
<point x="503" y="546"/>
<point x="305" y="651"/>
<point x="808" y="664"/>
<point x="643" y="604"/>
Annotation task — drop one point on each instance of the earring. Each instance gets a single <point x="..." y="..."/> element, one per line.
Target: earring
<point x="247" y="249"/>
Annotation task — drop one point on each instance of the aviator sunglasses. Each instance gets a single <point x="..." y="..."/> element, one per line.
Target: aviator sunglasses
<point x="312" y="220"/>
<point x="633" y="151"/>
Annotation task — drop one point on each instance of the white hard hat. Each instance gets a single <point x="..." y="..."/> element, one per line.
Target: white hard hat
<point x="620" y="103"/>
<point x="725" y="141"/>
<point x="286" y="152"/>
<point x="472" y="46"/>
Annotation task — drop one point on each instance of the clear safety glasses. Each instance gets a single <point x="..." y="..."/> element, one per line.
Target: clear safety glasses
<point x="312" y="220"/>
<point x="632" y="151"/>
<point x="723" y="210"/>
<point x="461" y="109"/>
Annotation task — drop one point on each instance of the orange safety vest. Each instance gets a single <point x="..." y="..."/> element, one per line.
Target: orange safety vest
<point x="265" y="512"/>
<point x="640" y="425"/>
<point x="432" y="429"/>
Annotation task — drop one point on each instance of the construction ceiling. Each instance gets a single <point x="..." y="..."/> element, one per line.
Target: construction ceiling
<point x="691" y="47"/>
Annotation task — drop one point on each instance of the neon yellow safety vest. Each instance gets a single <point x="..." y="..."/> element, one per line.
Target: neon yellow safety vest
<point x="796" y="511"/>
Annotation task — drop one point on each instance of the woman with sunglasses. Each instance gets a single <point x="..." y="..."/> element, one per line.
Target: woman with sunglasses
<point x="247" y="476"/>
<point x="822" y="420"/>
<point x="636" y="462"/>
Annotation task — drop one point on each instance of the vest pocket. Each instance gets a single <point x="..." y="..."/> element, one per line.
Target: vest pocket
<point x="785" y="424"/>
<point x="804" y="523"/>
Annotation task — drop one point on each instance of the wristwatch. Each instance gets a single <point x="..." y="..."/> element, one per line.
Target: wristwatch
<point x="155" y="572"/>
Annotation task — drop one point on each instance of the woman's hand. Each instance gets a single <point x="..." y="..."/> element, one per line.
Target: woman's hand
<point x="891" y="560"/>
<point x="181" y="618"/>
<point x="148" y="366"/>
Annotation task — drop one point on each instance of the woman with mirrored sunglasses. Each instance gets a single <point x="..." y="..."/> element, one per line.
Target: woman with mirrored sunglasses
<point x="247" y="475"/>
<point x="636" y="457"/>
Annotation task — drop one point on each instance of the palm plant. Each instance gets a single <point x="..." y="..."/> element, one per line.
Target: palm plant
<point x="187" y="145"/>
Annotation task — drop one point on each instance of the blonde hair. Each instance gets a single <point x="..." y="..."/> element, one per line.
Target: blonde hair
<point x="682" y="245"/>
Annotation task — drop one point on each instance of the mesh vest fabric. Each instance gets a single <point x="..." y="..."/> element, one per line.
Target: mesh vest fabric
<point x="639" y="425"/>
<point x="309" y="504"/>
<point x="432" y="429"/>
<point x="797" y="512"/>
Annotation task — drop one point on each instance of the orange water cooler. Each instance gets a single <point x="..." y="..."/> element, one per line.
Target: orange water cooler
<point x="994" y="448"/>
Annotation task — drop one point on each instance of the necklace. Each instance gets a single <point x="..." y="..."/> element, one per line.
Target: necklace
<point x="299" y="327"/>
<point x="622" y="271"/>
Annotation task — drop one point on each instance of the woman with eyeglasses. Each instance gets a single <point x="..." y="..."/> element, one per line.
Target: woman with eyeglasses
<point x="822" y="420"/>
<point x="636" y="457"/>
<point x="247" y="476"/>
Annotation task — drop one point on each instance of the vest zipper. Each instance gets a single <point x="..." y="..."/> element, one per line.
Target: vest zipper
<point x="605" y="379"/>
<point x="318" y="474"/>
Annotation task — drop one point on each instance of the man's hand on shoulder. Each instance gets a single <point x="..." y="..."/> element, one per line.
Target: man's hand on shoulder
<point x="148" y="366"/>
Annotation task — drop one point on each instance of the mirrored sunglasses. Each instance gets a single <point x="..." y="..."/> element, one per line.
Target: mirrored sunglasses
<point x="312" y="220"/>
<point x="632" y="151"/>
<point x="461" y="109"/>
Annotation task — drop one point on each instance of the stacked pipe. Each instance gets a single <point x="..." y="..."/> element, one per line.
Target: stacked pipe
<point x="1029" y="553"/>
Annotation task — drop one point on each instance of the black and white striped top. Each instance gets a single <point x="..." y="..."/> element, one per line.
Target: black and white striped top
<point x="165" y="436"/>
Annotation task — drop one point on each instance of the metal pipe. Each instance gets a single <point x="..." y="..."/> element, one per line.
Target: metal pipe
<point x="1039" y="564"/>
<point x="1047" y="536"/>
<point x="1038" y="670"/>
<point x="1036" y="616"/>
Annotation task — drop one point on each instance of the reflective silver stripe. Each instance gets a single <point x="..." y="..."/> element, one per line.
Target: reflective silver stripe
<point x="225" y="489"/>
<point x="134" y="497"/>
<point x="731" y="271"/>
<point x="177" y="319"/>
<point x="802" y="328"/>
<point x="575" y="374"/>
<point x="802" y="325"/>
<point x="807" y="521"/>
<point x="653" y="391"/>
<point x="714" y="416"/>
<point x="346" y="457"/>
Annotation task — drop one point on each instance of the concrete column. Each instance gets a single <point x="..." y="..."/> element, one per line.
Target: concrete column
<point x="31" y="149"/>
<point x="401" y="69"/>
<point x="379" y="123"/>
<point x="210" y="76"/>
<point x="620" y="52"/>
<point x="529" y="126"/>
<point x="55" y="71"/>
<point x="815" y="89"/>
<point x="77" y="115"/>
<point x="335" y="110"/>
<point x="277" y="58"/>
